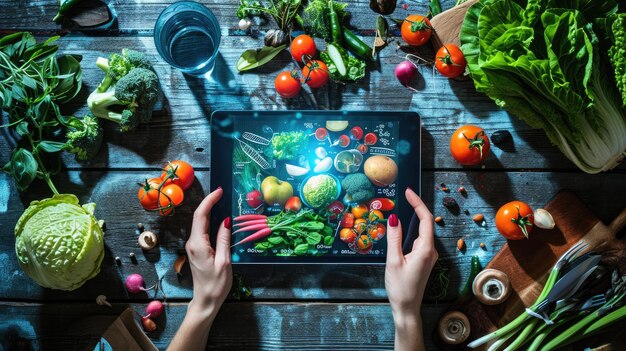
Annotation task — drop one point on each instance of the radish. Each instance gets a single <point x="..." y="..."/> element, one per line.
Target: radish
<point x="256" y="236"/>
<point x="251" y="227"/>
<point x="135" y="284"/>
<point x="249" y="217"/>
<point x="257" y="221"/>
<point x="406" y="72"/>
<point x="154" y="309"/>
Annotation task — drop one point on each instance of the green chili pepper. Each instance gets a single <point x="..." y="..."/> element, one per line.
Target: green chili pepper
<point x="475" y="268"/>
<point x="356" y="45"/>
<point x="335" y="27"/>
<point x="64" y="7"/>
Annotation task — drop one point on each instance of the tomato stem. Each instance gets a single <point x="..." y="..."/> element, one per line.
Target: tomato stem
<point x="448" y="59"/>
<point x="419" y="25"/>
<point x="522" y="222"/>
<point x="476" y="142"/>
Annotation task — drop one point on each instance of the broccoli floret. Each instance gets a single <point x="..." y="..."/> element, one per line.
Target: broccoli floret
<point x="130" y="101"/>
<point x="117" y="66"/>
<point x="358" y="187"/>
<point x="84" y="137"/>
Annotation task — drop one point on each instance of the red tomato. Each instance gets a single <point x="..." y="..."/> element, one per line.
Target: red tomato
<point x="347" y="235"/>
<point x="469" y="145"/>
<point x="515" y="220"/>
<point x="347" y="221"/>
<point x="287" y="85"/>
<point x="416" y="30"/>
<point x="302" y="45"/>
<point x="360" y="225"/>
<point x="321" y="134"/>
<point x="363" y="148"/>
<point x="370" y="139"/>
<point x="315" y="73"/>
<point x="148" y="194"/>
<point x="172" y="196"/>
<point x="450" y="61"/>
<point x="180" y="172"/>
<point x="377" y="232"/>
<point x="356" y="133"/>
<point x="364" y="244"/>
<point x="344" y="140"/>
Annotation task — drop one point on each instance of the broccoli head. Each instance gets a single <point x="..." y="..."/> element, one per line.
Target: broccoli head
<point x="130" y="101"/>
<point x="119" y="65"/>
<point x="358" y="187"/>
<point x="84" y="137"/>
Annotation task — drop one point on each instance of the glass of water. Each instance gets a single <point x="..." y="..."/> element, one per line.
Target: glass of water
<point x="187" y="36"/>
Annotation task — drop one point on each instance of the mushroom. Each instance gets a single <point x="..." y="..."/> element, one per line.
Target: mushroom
<point x="102" y="301"/>
<point x="147" y="240"/>
<point x="454" y="328"/>
<point x="491" y="287"/>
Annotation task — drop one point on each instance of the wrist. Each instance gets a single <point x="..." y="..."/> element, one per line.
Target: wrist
<point x="407" y="319"/>
<point x="202" y="312"/>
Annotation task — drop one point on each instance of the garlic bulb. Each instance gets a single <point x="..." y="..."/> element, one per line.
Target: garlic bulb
<point x="543" y="219"/>
<point x="244" y="24"/>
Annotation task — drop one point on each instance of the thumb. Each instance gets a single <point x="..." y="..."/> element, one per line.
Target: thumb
<point x="394" y="240"/>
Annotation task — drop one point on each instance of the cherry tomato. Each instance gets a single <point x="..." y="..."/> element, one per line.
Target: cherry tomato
<point x="363" y="149"/>
<point x="347" y="235"/>
<point x="450" y="61"/>
<point x="360" y="225"/>
<point x="347" y="221"/>
<point x="377" y="232"/>
<point x="375" y="215"/>
<point x="370" y="139"/>
<point x="287" y="85"/>
<point x="469" y="145"/>
<point x="356" y="133"/>
<point x="416" y="30"/>
<point x="182" y="172"/>
<point x="344" y="140"/>
<point x="172" y="196"/>
<point x="515" y="220"/>
<point x="364" y="244"/>
<point x="315" y="73"/>
<point x="148" y="194"/>
<point x="321" y="133"/>
<point x="302" y="45"/>
<point x="359" y="211"/>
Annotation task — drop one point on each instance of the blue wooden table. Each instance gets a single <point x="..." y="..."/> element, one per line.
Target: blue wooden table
<point x="290" y="307"/>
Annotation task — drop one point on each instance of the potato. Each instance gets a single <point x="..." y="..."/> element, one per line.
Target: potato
<point x="381" y="170"/>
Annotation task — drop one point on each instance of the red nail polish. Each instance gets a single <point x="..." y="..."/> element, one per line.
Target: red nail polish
<point x="218" y="188"/>
<point x="393" y="220"/>
<point x="227" y="222"/>
<point x="408" y="187"/>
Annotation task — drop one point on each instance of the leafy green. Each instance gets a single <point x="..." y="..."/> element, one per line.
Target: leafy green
<point x="320" y="190"/>
<point x="282" y="11"/>
<point x="289" y="145"/>
<point x="617" y="53"/>
<point x="545" y="64"/>
<point x="355" y="68"/>
<point x="316" y="18"/>
<point x="33" y="82"/>
<point x="59" y="243"/>
<point x="254" y="58"/>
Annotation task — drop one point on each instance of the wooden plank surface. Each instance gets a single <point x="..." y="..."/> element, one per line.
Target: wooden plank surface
<point x="241" y="326"/>
<point x="181" y="129"/>
<point x="114" y="190"/>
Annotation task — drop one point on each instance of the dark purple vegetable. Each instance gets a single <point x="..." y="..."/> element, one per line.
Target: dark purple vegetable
<point x="384" y="7"/>
<point x="406" y="72"/>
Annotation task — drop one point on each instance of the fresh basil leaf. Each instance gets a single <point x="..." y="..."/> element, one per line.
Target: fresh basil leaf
<point x="313" y="238"/>
<point x="18" y="93"/>
<point x="29" y="82"/>
<point x="68" y="87"/>
<point x="275" y="240"/>
<point x="23" y="168"/>
<point x="50" y="146"/>
<point x="329" y="240"/>
<point x="254" y="58"/>
<point x="301" y="249"/>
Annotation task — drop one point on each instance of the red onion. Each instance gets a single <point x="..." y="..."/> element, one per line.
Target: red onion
<point x="406" y="72"/>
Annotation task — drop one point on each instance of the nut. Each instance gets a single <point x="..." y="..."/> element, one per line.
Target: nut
<point x="147" y="240"/>
<point x="460" y="245"/>
<point x="439" y="220"/>
<point x="148" y="324"/>
<point x="483" y="246"/>
<point x="178" y="264"/>
<point x="478" y="218"/>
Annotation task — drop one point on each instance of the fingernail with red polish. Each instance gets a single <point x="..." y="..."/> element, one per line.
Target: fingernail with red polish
<point x="228" y="222"/>
<point x="218" y="188"/>
<point x="393" y="220"/>
<point x="408" y="187"/>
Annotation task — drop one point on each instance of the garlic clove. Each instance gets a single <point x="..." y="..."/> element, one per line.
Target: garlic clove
<point x="244" y="24"/>
<point x="543" y="219"/>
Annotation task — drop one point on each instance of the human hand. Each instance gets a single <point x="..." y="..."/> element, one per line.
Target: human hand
<point x="211" y="269"/>
<point x="406" y="275"/>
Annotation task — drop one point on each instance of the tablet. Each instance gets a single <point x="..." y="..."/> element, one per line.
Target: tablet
<point x="313" y="186"/>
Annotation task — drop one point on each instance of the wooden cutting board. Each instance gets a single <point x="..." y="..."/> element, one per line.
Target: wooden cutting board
<point x="447" y="25"/>
<point x="528" y="262"/>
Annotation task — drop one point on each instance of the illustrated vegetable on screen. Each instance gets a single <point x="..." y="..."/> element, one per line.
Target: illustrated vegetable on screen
<point x="59" y="243"/>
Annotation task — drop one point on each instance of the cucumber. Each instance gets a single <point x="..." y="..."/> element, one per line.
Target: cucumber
<point x="335" y="56"/>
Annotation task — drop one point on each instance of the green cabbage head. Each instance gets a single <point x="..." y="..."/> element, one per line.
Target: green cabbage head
<point x="59" y="243"/>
